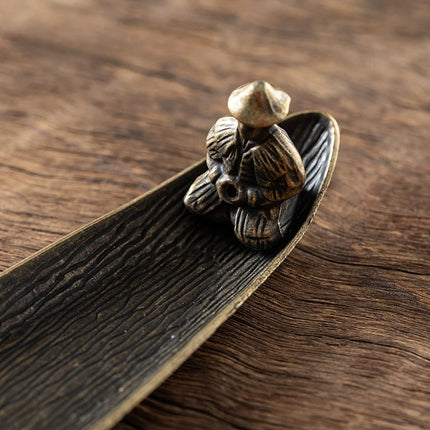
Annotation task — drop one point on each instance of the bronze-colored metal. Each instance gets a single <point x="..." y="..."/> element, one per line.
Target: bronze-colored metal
<point x="93" y="323"/>
<point x="254" y="169"/>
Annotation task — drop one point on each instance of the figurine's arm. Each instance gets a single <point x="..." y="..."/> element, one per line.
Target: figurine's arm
<point x="214" y="167"/>
<point x="279" y="170"/>
<point x="285" y="187"/>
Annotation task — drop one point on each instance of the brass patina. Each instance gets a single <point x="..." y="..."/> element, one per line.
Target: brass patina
<point x="254" y="169"/>
<point x="123" y="301"/>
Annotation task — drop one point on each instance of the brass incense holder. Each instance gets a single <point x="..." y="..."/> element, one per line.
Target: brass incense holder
<point x="91" y="324"/>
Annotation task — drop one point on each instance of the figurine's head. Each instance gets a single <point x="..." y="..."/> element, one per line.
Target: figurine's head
<point x="258" y="104"/>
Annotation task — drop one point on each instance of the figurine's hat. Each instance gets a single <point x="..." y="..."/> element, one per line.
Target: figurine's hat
<point x="258" y="104"/>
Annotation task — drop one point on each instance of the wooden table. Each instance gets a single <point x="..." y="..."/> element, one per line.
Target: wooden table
<point x="101" y="101"/>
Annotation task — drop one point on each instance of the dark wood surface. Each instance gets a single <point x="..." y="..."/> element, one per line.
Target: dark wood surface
<point x="92" y="324"/>
<point x="101" y="101"/>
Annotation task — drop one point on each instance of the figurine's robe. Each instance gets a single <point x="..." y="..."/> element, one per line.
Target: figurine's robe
<point x="248" y="183"/>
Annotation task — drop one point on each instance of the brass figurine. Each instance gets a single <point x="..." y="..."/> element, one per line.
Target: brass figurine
<point x="253" y="168"/>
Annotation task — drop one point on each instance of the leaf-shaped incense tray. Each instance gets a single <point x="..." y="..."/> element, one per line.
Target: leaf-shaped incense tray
<point x="91" y="324"/>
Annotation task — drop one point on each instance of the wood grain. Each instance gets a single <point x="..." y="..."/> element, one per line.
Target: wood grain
<point x="104" y="100"/>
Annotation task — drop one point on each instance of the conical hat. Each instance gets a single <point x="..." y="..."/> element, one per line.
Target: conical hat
<point x="258" y="104"/>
